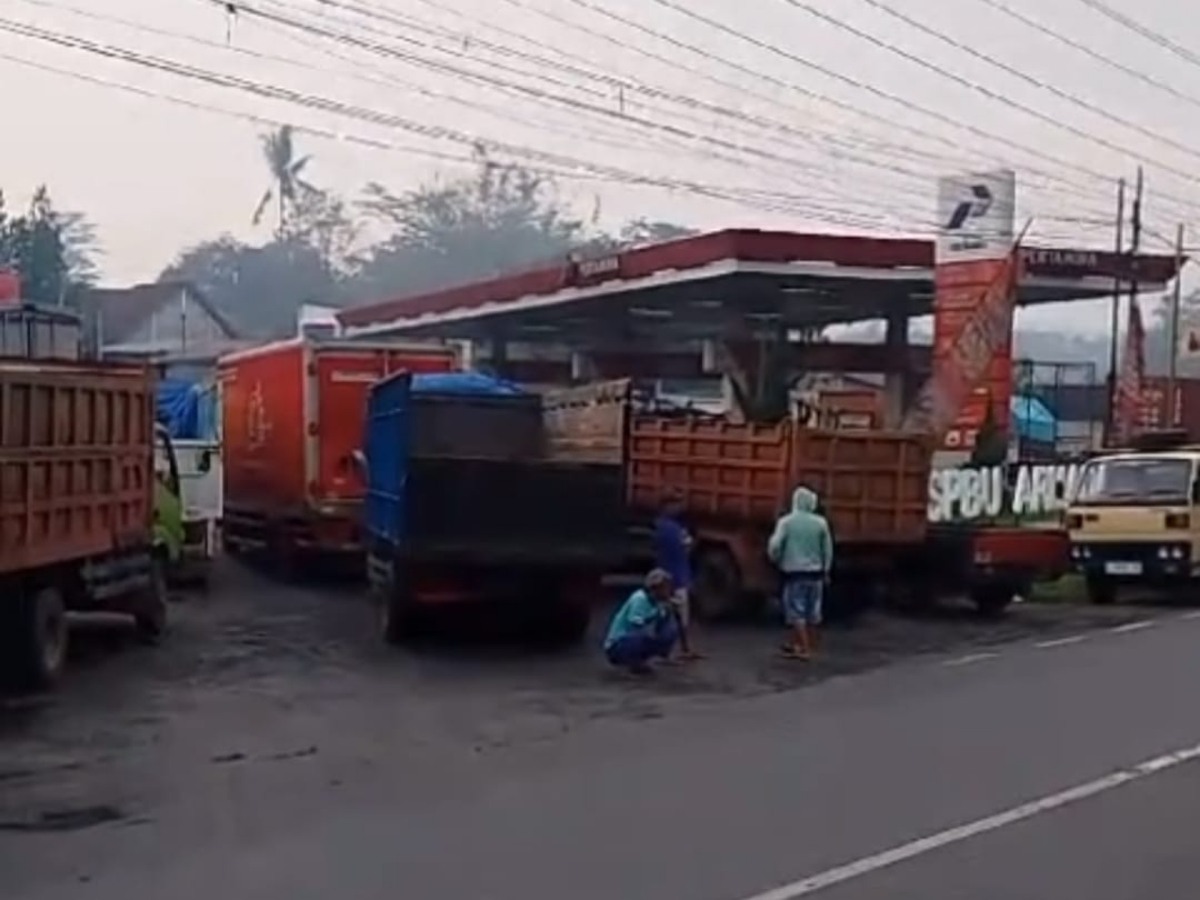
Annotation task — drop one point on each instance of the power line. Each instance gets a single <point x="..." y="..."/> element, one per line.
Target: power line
<point x="760" y="199"/>
<point x="1145" y="31"/>
<point x="763" y="199"/>
<point x="535" y="93"/>
<point x="882" y="94"/>
<point x="608" y="13"/>
<point x="887" y="10"/>
<point x="375" y="46"/>
<point x="1089" y="51"/>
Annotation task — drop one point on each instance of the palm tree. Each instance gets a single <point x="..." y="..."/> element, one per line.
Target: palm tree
<point x="279" y="151"/>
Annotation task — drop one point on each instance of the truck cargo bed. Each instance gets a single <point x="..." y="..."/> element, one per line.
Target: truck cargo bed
<point x="75" y="461"/>
<point x="872" y="485"/>
<point x="508" y="511"/>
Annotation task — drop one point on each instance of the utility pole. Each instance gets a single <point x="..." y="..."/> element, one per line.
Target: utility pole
<point x="1173" y="333"/>
<point x="1115" y="319"/>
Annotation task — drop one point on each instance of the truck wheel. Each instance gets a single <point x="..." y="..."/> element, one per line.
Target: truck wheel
<point x="568" y="624"/>
<point x="1101" y="591"/>
<point x="37" y="643"/>
<point x="399" y="619"/>
<point x="992" y="599"/>
<point x="717" y="586"/>
<point x="150" y="618"/>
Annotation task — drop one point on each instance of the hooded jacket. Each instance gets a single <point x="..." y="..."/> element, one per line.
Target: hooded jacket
<point x="801" y="543"/>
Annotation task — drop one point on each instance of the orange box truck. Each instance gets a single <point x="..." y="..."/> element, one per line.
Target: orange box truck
<point x="293" y="414"/>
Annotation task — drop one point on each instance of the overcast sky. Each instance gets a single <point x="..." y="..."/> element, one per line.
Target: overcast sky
<point x="737" y="106"/>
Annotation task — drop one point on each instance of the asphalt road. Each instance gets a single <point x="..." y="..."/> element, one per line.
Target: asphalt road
<point x="730" y="796"/>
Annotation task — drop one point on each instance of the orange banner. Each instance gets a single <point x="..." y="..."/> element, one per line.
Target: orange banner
<point x="972" y="350"/>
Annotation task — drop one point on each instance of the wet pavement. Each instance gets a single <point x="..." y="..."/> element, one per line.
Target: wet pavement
<point x="270" y="704"/>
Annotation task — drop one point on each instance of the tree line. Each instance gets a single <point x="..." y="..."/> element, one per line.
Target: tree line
<point x="497" y="218"/>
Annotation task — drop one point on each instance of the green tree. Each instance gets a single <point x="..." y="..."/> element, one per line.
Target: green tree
<point x="500" y="218"/>
<point x="287" y="186"/>
<point x="257" y="288"/>
<point x="53" y="252"/>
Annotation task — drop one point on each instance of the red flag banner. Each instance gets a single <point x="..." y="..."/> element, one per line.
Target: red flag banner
<point x="972" y="369"/>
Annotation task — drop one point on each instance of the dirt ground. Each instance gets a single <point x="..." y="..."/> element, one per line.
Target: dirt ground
<point x="257" y="679"/>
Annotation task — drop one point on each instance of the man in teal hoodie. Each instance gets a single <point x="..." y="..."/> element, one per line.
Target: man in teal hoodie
<point x="801" y="547"/>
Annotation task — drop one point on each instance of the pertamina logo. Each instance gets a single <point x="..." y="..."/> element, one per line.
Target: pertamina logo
<point x="973" y="206"/>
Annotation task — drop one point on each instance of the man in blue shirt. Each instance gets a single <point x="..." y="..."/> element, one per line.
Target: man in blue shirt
<point x="645" y="627"/>
<point x="673" y="554"/>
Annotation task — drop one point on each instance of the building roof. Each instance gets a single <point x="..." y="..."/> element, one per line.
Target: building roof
<point x="121" y="311"/>
<point x="850" y="278"/>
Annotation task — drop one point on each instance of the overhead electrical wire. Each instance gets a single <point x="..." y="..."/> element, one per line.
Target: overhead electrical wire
<point x="782" y="201"/>
<point x="612" y="115"/>
<point x="771" y="201"/>
<point x="624" y="82"/>
<point x="1144" y="31"/>
<point x="885" y="95"/>
<point x="382" y="78"/>
<point x="1081" y="47"/>
<point x="974" y="53"/>
<point x="374" y="45"/>
<point x="1073" y="189"/>
<point x="988" y="92"/>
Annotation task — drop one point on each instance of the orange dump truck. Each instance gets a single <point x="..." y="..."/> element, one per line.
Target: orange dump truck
<point x="736" y="479"/>
<point x="83" y="521"/>
<point x="293" y="416"/>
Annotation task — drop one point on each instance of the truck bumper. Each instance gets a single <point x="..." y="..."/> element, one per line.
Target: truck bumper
<point x="1163" y="562"/>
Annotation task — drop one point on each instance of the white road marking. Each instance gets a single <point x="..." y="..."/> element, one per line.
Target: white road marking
<point x="1194" y="614"/>
<point x="970" y="658"/>
<point x="873" y="863"/>
<point x="1132" y="626"/>
<point x="1061" y="642"/>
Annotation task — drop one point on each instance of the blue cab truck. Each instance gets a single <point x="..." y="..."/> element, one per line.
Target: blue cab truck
<point x="470" y="505"/>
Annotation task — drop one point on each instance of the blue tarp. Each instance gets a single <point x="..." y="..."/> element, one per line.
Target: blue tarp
<point x="187" y="409"/>
<point x="464" y="383"/>
<point x="1033" y="419"/>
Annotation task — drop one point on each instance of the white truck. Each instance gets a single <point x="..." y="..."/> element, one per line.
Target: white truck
<point x="197" y="446"/>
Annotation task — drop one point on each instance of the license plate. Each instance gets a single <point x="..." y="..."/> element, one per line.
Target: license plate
<point x="1123" y="568"/>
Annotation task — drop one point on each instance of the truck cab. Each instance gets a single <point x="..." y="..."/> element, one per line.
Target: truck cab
<point x="1133" y="518"/>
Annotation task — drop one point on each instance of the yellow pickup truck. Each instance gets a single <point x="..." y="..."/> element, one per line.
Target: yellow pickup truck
<point x="1133" y="517"/>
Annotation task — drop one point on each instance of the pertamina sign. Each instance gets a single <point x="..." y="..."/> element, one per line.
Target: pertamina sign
<point x="974" y="285"/>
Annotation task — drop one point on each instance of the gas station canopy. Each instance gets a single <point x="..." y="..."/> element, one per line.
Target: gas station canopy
<point x="729" y="282"/>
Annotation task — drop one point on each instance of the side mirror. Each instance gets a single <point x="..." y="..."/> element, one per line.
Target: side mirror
<point x="204" y="463"/>
<point x="1196" y="491"/>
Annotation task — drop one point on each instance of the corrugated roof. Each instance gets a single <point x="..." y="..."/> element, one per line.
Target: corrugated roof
<point x="117" y="313"/>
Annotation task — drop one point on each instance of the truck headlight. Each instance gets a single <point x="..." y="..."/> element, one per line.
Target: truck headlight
<point x="1164" y="552"/>
<point x="1176" y="553"/>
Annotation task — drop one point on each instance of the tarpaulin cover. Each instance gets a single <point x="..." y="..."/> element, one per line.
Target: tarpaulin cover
<point x="187" y="409"/>
<point x="1033" y="419"/>
<point x="466" y="383"/>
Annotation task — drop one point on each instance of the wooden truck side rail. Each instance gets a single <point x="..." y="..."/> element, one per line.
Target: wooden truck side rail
<point x="587" y="424"/>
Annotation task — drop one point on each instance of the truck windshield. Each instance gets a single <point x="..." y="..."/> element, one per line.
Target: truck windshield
<point x="1146" y="479"/>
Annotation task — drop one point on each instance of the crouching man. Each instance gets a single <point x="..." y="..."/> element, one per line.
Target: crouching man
<point x="645" y="627"/>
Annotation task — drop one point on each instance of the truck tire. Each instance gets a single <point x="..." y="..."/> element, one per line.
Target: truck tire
<point x="568" y="624"/>
<point x="37" y="640"/>
<point x="1101" y="591"/>
<point x="717" y="591"/>
<point x="992" y="599"/>
<point x="399" y="619"/>
<point x="150" y="616"/>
